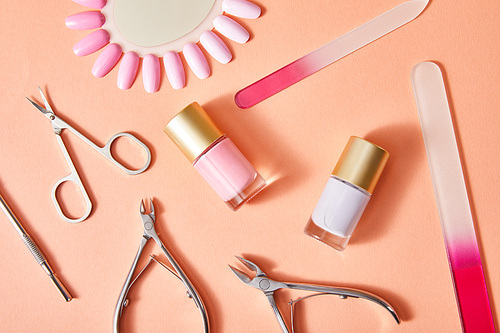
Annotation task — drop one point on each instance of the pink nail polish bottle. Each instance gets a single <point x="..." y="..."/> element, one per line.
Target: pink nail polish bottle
<point x="215" y="156"/>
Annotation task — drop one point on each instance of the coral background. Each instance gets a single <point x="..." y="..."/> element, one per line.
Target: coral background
<point x="293" y="138"/>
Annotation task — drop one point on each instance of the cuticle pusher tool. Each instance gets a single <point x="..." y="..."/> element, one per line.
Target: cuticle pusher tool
<point x="34" y="250"/>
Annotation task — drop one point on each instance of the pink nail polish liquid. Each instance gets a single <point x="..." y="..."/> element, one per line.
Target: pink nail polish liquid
<point x="214" y="156"/>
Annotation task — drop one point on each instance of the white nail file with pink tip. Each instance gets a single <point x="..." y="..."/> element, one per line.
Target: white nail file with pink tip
<point x="329" y="53"/>
<point x="452" y="199"/>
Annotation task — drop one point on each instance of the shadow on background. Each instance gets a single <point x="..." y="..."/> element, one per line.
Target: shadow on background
<point x="405" y="146"/>
<point x="269" y="153"/>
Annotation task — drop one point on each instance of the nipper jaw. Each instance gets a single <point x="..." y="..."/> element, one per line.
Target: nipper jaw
<point x="148" y="220"/>
<point x="260" y="280"/>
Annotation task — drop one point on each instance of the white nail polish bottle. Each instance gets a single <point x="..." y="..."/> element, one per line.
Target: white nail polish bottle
<point x="347" y="193"/>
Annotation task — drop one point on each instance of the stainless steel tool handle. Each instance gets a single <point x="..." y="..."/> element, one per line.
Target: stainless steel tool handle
<point x="75" y="179"/>
<point x="277" y="312"/>
<point x="12" y="218"/>
<point x="126" y="286"/>
<point x="106" y="152"/>
<point x="34" y="250"/>
<point x="46" y="267"/>
<point x="347" y="292"/>
<point x="192" y="293"/>
<point x="40" y="259"/>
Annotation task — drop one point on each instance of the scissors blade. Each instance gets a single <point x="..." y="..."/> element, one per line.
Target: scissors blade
<point x="47" y="105"/>
<point x="47" y="111"/>
<point x="42" y="110"/>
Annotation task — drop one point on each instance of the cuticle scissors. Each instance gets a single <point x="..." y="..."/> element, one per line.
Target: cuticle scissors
<point x="148" y="223"/>
<point x="58" y="125"/>
<point x="269" y="286"/>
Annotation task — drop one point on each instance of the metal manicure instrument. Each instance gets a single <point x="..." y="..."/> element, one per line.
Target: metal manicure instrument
<point x="269" y="286"/>
<point x="34" y="250"/>
<point x="58" y="125"/>
<point x="148" y="222"/>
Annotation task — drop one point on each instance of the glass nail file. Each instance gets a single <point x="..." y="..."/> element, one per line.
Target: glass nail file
<point x="329" y="53"/>
<point x="452" y="200"/>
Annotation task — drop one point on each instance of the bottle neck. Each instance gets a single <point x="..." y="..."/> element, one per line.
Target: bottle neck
<point x="351" y="185"/>
<point x="213" y="144"/>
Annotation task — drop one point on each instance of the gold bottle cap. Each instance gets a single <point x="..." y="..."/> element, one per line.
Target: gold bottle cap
<point x="192" y="131"/>
<point x="361" y="163"/>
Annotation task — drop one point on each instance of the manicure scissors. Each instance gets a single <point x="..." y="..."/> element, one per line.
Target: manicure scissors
<point x="148" y="223"/>
<point x="58" y="125"/>
<point x="269" y="286"/>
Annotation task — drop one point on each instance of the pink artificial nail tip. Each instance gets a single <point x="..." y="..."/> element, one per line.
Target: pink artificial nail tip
<point x="107" y="60"/>
<point x="174" y="69"/>
<point x="96" y="4"/>
<point x="216" y="47"/>
<point x="241" y="8"/>
<point x="128" y="70"/>
<point x="91" y="43"/>
<point x="196" y="60"/>
<point x="151" y="73"/>
<point x="85" y="20"/>
<point x="231" y="29"/>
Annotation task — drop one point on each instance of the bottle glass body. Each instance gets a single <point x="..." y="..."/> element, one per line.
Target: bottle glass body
<point x="229" y="173"/>
<point x="337" y="213"/>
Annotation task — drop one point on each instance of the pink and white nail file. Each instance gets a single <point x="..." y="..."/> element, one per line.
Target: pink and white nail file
<point x="452" y="200"/>
<point x="329" y="53"/>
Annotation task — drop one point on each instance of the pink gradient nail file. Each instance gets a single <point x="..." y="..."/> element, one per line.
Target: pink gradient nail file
<point x="329" y="53"/>
<point x="451" y="196"/>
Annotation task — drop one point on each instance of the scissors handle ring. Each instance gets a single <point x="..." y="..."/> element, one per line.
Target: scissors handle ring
<point x="72" y="177"/>
<point x="106" y="151"/>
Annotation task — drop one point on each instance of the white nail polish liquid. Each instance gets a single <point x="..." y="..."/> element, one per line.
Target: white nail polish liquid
<point x="347" y="193"/>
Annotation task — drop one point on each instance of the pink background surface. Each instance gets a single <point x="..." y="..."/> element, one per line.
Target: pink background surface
<point x="293" y="139"/>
